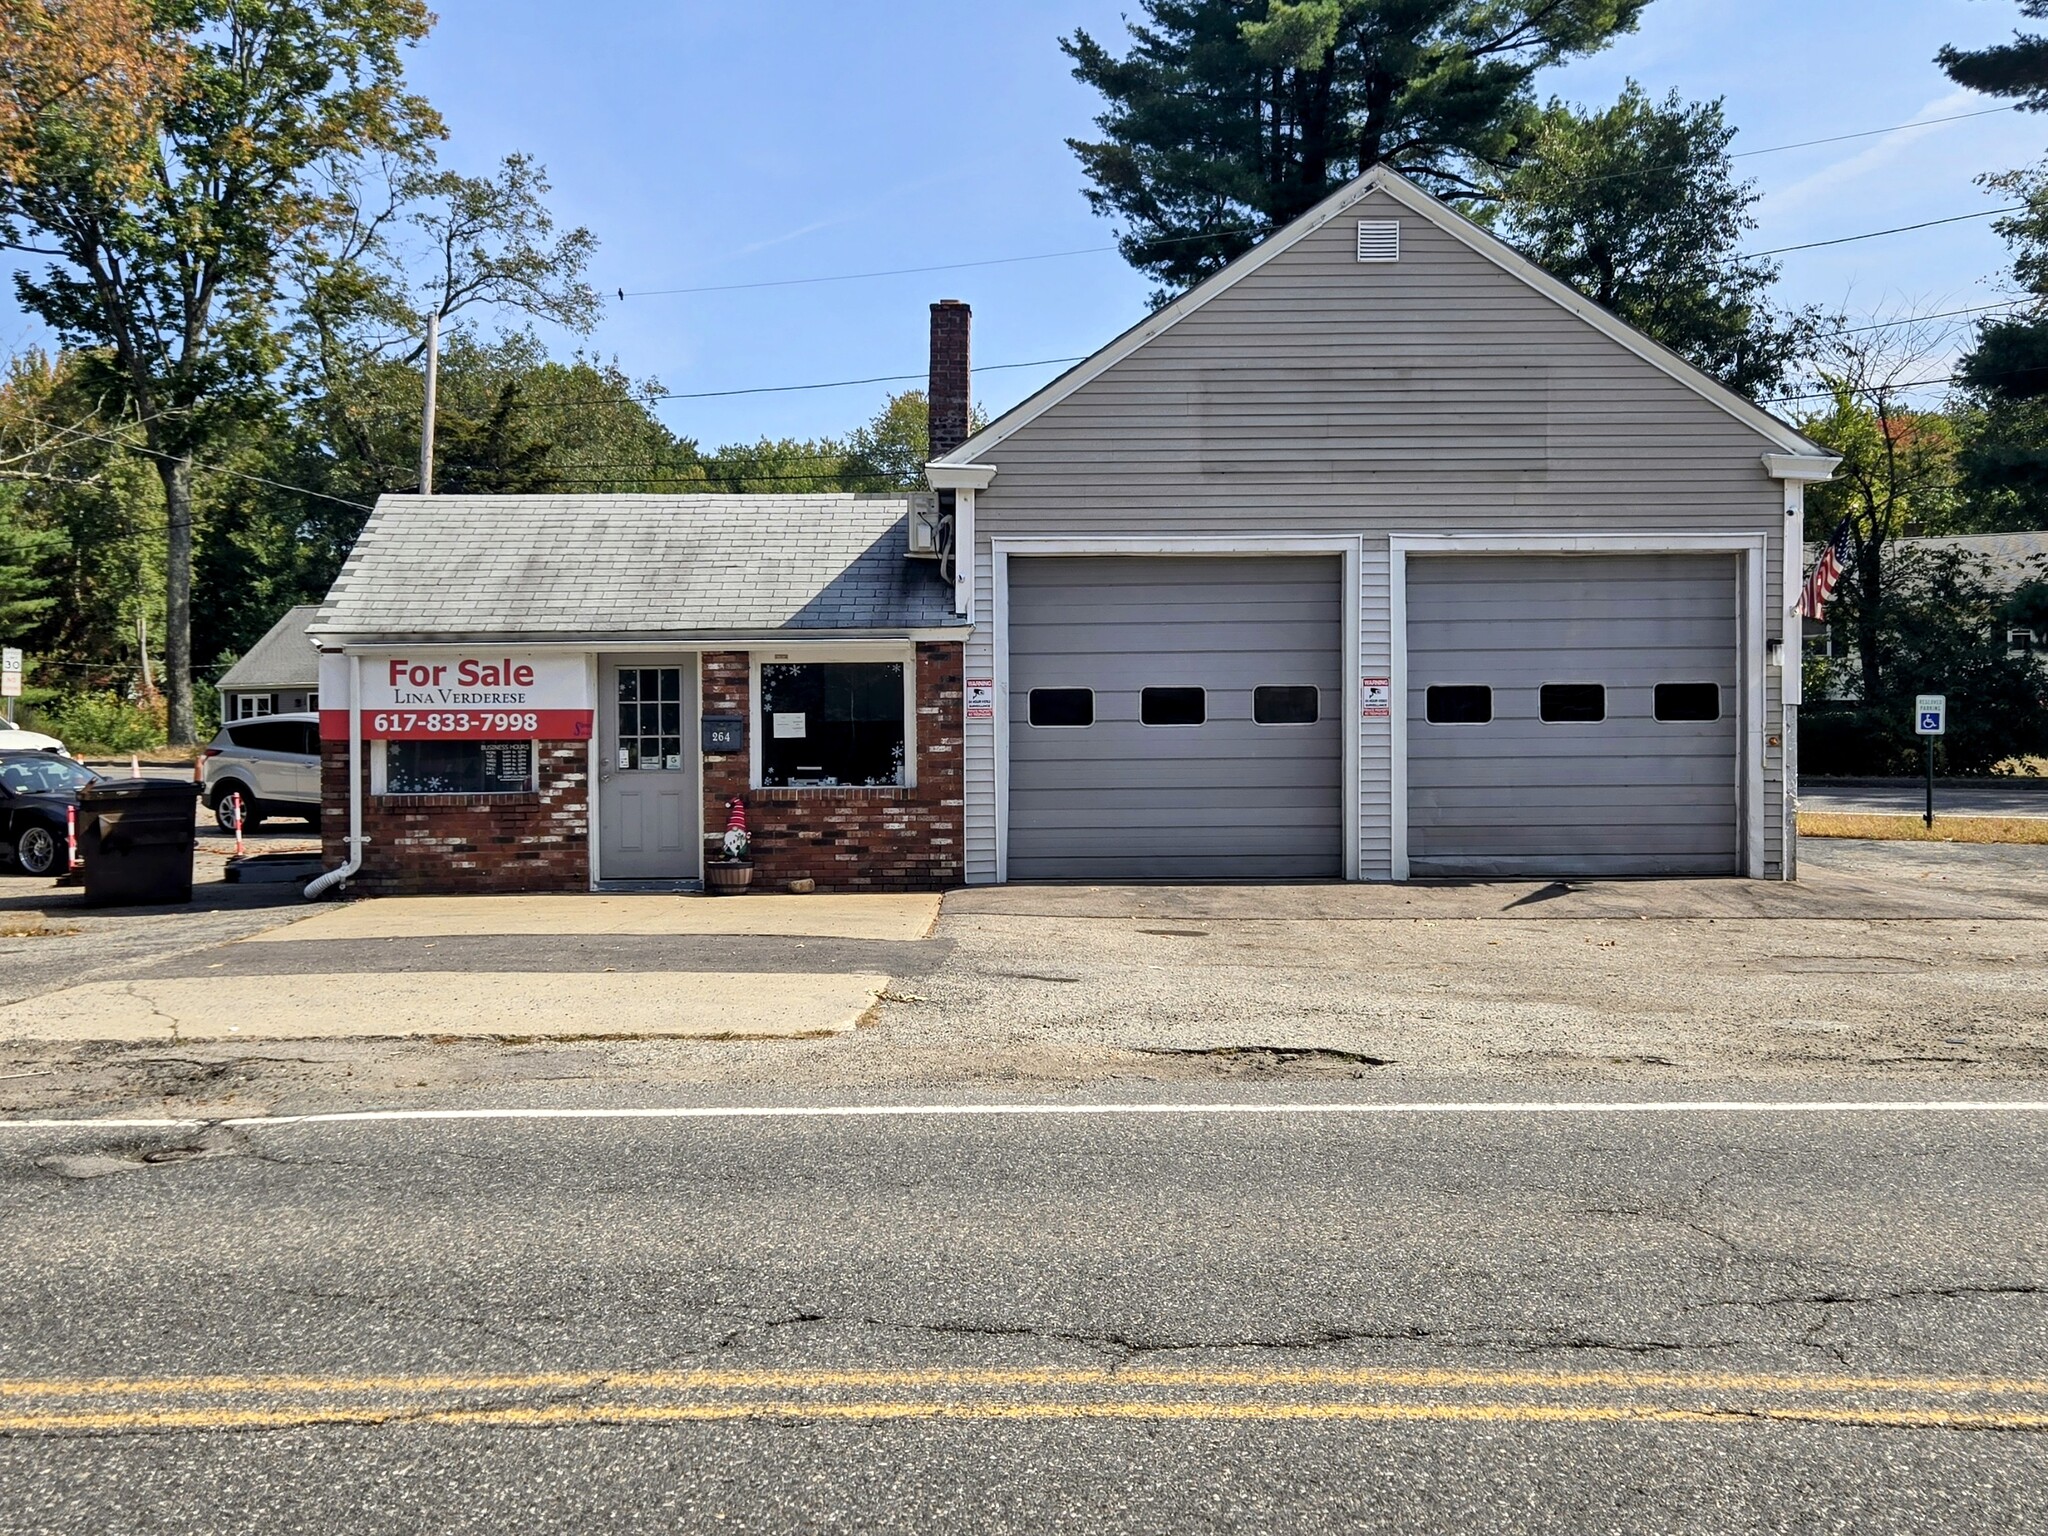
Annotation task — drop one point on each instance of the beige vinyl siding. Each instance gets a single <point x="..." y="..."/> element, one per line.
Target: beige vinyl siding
<point x="1436" y="394"/>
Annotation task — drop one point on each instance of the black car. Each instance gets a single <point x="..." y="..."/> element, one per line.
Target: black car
<point x="36" y="790"/>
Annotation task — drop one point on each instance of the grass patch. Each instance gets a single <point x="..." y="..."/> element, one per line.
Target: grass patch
<point x="1911" y="829"/>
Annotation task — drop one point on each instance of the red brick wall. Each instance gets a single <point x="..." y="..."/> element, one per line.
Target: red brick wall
<point x="845" y="839"/>
<point x="848" y="839"/>
<point x="457" y="844"/>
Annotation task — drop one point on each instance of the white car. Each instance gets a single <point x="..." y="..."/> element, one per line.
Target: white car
<point x="271" y="761"/>
<point x="14" y="740"/>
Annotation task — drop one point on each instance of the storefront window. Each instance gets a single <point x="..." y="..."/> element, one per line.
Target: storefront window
<point x="832" y="723"/>
<point x="458" y="767"/>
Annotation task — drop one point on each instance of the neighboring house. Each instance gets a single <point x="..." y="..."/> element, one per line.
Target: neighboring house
<point x="279" y="675"/>
<point x="1379" y="554"/>
<point x="2010" y="560"/>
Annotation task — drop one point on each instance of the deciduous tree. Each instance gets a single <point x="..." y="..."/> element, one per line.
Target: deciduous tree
<point x="1638" y="208"/>
<point x="169" y="280"/>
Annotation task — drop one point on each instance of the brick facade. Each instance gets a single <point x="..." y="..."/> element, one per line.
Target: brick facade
<point x="849" y="839"/>
<point x="845" y="839"/>
<point x="465" y="844"/>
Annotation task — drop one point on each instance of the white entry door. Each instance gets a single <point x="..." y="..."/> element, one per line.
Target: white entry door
<point x="648" y="800"/>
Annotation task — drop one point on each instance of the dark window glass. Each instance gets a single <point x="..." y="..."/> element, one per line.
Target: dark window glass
<point x="650" y="727"/>
<point x="1688" y="701"/>
<point x="309" y="738"/>
<point x="1173" y="706"/>
<point x="1572" y="703"/>
<point x="832" y="722"/>
<point x="269" y="735"/>
<point x="457" y="767"/>
<point x="1063" y="706"/>
<point x="1284" y="704"/>
<point x="1458" y="704"/>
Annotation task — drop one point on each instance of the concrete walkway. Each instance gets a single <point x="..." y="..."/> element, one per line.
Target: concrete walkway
<point x="511" y="967"/>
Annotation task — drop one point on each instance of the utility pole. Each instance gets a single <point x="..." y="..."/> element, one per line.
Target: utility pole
<point x="427" y="416"/>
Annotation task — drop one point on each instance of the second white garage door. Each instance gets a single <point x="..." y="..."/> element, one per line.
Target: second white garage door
<point x="1175" y="718"/>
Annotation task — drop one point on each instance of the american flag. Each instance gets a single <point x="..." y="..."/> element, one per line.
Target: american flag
<point x="1820" y="586"/>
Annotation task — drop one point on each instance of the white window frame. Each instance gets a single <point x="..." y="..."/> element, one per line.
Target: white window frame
<point x="380" y="776"/>
<point x="1751" y="550"/>
<point x="254" y="706"/>
<point x="901" y="651"/>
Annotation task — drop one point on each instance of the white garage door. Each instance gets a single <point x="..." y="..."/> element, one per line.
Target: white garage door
<point x="1175" y="718"/>
<point x="1573" y="715"/>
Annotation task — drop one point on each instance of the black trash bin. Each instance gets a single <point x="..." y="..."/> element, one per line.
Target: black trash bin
<point x="136" y="839"/>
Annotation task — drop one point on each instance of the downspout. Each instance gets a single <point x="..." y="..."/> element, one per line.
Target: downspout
<point x="322" y="884"/>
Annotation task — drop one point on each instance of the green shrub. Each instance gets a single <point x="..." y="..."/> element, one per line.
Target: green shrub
<point x="105" y="722"/>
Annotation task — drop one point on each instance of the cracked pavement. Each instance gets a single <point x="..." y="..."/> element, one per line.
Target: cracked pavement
<point x="1710" y="1322"/>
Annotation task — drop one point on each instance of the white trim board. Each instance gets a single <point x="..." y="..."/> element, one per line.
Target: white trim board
<point x="1347" y="547"/>
<point x="1753" y="548"/>
<point x="1799" y="455"/>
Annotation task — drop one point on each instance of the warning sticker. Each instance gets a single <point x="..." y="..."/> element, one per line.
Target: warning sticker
<point x="1376" y="698"/>
<point x="981" y="698"/>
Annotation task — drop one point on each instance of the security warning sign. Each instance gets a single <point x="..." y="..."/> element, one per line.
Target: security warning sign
<point x="981" y="698"/>
<point x="1375" y="698"/>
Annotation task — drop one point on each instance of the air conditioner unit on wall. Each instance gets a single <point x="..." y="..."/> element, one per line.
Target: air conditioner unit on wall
<point x="926" y="538"/>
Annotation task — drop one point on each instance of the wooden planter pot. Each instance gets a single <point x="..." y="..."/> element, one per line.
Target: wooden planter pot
<point x="726" y="877"/>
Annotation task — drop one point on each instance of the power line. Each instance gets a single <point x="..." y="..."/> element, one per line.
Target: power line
<point x="1829" y="394"/>
<point x="214" y="469"/>
<point x="1898" y="229"/>
<point x="766" y="389"/>
<point x="1234" y="229"/>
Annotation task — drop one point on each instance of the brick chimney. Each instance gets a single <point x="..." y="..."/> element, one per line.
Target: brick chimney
<point x="948" y="394"/>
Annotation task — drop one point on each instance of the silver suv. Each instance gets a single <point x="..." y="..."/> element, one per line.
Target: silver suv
<point x="272" y="762"/>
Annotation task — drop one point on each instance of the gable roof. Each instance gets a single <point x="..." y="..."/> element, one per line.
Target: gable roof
<point x="283" y="658"/>
<point x="1380" y="178"/>
<point x="475" y="568"/>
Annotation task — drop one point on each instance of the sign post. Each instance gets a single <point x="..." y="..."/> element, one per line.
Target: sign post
<point x="1930" y="719"/>
<point x="10" y="677"/>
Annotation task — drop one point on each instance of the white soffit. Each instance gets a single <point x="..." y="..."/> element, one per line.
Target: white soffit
<point x="1381" y="179"/>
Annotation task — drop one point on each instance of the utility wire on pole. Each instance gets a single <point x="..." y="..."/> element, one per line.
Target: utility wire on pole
<point x="427" y="415"/>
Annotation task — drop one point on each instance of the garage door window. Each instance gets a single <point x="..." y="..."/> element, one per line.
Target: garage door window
<point x="1062" y="708"/>
<point x="1458" y="704"/>
<point x="1173" y="706"/>
<point x="1572" y="703"/>
<point x="1688" y="701"/>
<point x="1284" y="704"/>
<point x="832" y="723"/>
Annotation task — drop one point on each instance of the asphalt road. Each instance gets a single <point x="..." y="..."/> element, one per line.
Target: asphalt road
<point x="1908" y="797"/>
<point x="1707" y="1321"/>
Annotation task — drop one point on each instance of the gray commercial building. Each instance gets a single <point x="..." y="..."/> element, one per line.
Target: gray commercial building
<point x="1380" y="554"/>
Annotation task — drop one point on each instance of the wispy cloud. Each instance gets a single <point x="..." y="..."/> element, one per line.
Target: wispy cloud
<point x="837" y="221"/>
<point x="1873" y="156"/>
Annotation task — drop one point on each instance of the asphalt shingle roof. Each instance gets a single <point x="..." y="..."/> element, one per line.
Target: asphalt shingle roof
<point x="283" y="658"/>
<point x="514" y="567"/>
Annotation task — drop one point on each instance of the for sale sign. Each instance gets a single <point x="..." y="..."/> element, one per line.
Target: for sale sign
<point x="480" y="695"/>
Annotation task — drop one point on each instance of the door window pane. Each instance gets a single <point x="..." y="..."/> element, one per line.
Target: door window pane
<point x="832" y="723"/>
<point x="1688" y="701"/>
<point x="1458" y="704"/>
<point x="457" y="767"/>
<point x="1572" y="703"/>
<point x="1173" y="706"/>
<point x="1062" y="706"/>
<point x="650" y="719"/>
<point x="1284" y="704"/>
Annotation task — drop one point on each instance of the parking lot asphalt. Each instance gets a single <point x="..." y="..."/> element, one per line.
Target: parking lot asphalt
<point x="1915" y="962"/>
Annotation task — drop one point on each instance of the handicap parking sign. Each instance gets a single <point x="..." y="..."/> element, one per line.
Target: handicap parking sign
<point x="1930" y="714"/>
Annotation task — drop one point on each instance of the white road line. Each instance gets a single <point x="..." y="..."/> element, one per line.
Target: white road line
<point x="1481" y="1107"/>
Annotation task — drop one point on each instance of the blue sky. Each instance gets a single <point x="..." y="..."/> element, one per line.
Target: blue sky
<point x="710" y="144"/>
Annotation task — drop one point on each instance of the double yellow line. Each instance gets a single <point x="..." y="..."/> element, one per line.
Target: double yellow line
<point x="198" y="1404"/>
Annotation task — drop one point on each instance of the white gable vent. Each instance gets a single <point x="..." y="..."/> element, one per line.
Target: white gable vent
<point x="1379" y="239"/>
